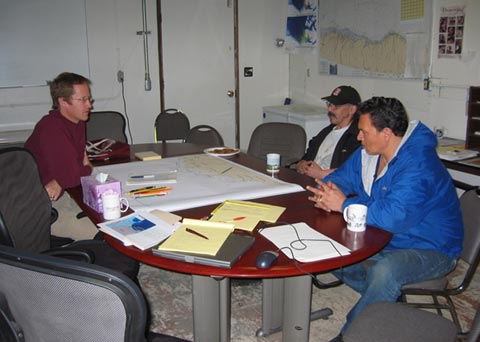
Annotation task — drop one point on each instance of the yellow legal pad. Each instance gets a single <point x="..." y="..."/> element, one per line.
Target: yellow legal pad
<point x="245" y="215"/>
<point x="183" y="241"/>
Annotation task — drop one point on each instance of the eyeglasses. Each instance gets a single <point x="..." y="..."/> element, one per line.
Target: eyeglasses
<point x="85" y="99"/>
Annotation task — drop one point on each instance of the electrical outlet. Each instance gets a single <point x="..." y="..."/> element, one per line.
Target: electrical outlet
<point x="120" y="76"/>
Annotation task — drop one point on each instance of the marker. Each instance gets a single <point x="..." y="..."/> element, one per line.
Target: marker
<point x="191" y="231"/>
<point x="152" y="190"/>
<point x="143" y="176"/>
<point x="147" y="196"/>
<point x="139" y="189"/>
<point x="226" y="170"/>
<point x="236" y="219"/>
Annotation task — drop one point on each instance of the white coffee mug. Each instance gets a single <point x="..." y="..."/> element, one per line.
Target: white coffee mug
<point x="356" y="217"/>
<point x="113" y="206"/>
<point x="273" y="162"/>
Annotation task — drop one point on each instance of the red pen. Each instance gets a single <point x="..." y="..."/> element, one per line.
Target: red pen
<point x="191" y="231"/>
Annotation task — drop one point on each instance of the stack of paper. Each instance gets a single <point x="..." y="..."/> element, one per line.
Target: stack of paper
<point x="148" y="155"/>
<point x="455" y="152"/>
<point x="141" y="229"/>
<point x="301" y="242"/>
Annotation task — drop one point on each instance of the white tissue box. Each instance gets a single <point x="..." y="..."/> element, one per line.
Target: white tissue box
<point x="93" y="190"/>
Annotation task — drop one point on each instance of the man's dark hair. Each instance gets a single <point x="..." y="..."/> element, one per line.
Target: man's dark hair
<point x="62" y="86"/>
<point x="386" y="112"/>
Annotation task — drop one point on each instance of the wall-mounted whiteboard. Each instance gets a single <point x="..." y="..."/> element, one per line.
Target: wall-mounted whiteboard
<point x="40" y="39"/>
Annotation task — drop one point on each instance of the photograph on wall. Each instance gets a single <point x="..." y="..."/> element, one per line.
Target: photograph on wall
<point x="450" y="31"/>
<point x="301" y="33"/>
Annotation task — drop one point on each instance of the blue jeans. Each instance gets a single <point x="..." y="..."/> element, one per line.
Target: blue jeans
<point x="387" y="272"/>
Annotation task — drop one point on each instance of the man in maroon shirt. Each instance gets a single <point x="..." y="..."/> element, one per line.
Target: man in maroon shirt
<point x="58" y="144"/>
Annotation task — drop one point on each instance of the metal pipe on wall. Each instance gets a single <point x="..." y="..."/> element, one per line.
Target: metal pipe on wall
<point x="145" y="32"/>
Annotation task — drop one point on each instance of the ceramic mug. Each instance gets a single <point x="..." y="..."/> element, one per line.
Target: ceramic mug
<point x="273" y="162"/>
<point x="113" y="206"/>
<point x="356" y="217"/>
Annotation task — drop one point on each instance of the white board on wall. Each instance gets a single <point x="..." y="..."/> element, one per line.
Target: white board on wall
<point x="40" y="39"/>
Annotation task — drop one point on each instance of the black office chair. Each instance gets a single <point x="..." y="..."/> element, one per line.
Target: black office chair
<point x="25" y="216"/>
<point x="106" y="124"/>
<point x="397" y="322"/>
<point x="204" y="135"/>
<point x="439" y="287"/>
<point x="43" y="298"/>
<point x="171" y="124"/>
<point x="287" y="139"/>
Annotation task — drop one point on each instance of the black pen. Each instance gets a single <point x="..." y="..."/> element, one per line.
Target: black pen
<point x="191" y="231"/>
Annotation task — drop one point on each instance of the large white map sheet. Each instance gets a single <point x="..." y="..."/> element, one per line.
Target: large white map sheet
<point x="201" y="180"/>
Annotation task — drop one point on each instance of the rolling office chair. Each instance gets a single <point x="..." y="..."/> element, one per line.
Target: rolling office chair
<point x="204" y="135"/>
<point x="106" y="124"/>
<point x="25" y="217"/>
<point x="439" y="287"/>
<point x="287" y="139"/>
<point x="397" y="322"/>
<point x="171" y="124"/>
<point x="48" y="299"/>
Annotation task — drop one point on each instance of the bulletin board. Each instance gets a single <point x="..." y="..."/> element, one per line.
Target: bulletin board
<point x="40" y="39"/>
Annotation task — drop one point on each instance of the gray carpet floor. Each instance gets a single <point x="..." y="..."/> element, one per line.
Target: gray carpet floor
<point x="169" y="296"/>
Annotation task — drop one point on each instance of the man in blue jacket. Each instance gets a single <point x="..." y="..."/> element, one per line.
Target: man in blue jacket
<point x="399" y="177"/>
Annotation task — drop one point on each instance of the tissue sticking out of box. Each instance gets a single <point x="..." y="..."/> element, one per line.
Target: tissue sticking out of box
<point x="102" y="177"/>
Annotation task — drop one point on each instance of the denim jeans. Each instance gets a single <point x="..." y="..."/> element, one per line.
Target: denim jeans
<point x="387" y="272"/>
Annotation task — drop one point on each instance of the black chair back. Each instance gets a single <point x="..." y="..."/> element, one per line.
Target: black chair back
<point x="24" y="203"/>
<point x="171" y="124"/>
<point x="287" y="139"/>
<point x="204" y="135"/>
<point x="106" y="124"/>
<point x="54" y="299"/>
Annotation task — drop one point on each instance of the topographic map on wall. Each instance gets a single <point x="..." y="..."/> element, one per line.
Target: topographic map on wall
<point x="375" y="38"/>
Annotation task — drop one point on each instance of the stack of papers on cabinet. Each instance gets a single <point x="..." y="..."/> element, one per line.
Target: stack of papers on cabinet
<point x="455" y="152"/>
<point x="141" y="229"/>
<point x="300" y="242"/>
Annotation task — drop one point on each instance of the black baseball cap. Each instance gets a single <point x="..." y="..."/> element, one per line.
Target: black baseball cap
<point x="343" y="95"/>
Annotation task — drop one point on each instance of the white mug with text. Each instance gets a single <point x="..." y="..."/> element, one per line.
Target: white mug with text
<point x="113" y="206"/>
<point x="356" y="217"/>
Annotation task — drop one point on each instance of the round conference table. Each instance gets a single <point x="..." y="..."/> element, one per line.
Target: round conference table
<point x="287" y="287"/>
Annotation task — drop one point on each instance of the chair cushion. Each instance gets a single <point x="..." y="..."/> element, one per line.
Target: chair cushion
<point x="395" y="322"/>
<point x="433" y="284"/>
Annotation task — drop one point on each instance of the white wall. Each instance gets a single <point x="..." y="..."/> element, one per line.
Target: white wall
<point x="444" y="105"/>
<point x="113" y="45"/>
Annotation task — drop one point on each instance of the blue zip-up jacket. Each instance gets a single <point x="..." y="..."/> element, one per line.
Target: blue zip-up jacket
<point x="414" y="197"/>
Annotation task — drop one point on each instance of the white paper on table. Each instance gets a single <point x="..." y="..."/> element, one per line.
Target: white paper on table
<point x="126" y="229"/>
<point x="312" y="246"/>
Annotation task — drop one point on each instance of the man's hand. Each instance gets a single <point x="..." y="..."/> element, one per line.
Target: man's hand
<point x="312" y="169"/>
<point x="54" y="190"/>
<point x="327" y="196"/>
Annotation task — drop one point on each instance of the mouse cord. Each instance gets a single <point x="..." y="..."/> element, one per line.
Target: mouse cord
<point x="299" y="244"/>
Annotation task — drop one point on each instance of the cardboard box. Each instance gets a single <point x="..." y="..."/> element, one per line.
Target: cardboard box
<point x="93" y="190"/>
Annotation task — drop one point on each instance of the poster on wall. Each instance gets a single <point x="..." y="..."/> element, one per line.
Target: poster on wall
<point x="450" y="31"/>
<point x="301" y="35"/>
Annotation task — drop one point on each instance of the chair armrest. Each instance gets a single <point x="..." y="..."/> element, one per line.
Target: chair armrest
<point x="73" y="254"/>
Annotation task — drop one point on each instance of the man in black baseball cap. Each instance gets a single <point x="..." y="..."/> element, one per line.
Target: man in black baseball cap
<point x="336" y="142"/>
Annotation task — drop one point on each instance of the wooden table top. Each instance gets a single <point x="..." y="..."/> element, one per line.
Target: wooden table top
<point x="298" y="209"/>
